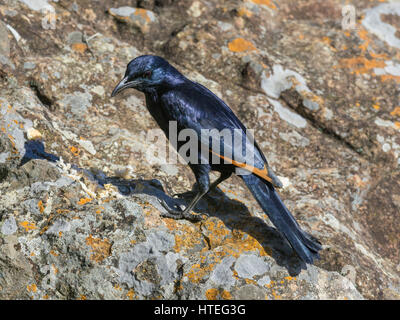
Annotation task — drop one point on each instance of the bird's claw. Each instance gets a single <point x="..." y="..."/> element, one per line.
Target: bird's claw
<point x="178" y="213"/>
<point x="186" y="194"/>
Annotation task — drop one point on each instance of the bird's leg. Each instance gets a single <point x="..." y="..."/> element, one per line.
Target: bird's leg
<point x="190" y="193"/>
<point x="193" y="192"/>
<point x="221" y="178"/>
<point x="203" y="186"/>
<point x="183" y="214"/>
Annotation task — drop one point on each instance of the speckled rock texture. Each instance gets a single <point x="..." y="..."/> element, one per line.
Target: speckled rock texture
<point x="79" y="202"/>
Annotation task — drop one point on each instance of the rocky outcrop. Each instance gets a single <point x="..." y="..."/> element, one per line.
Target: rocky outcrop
<point x="79" y="205"/>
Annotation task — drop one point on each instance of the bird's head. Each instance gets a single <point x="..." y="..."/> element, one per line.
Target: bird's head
<point x="145" y="73"/>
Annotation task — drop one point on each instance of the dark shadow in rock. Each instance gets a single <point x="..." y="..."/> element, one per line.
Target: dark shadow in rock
<point x="34" y="149"/>
<point x="234" y="214"/>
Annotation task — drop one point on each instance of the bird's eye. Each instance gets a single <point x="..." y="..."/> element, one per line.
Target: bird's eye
<point x="147" y="74"/>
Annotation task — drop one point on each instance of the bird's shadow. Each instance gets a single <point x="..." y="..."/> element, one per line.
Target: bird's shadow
<point x="233" y="213"/>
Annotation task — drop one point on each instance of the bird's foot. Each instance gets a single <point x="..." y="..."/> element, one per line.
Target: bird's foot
<point x="187" y="194"/>
<point x="178" y="213"/>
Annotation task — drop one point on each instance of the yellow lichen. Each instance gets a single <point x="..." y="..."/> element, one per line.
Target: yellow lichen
<point x="267" y="3"/>
<point x="241" y="45"/>
<point x="75" y="151"/>
<point x="211" y="294"/>
<point x="79" y="47"/>
<point x="142" y="13"/>
<point x="53" y="253"/>
<point x="40" y="206"/>
<point x="187" y="238"/>
<point x="101" y="249"/>
<point x="130" y="294"/>
<point x="226" y="295"/>
<point x="360" y="64"/>
<point x="244" y="12"/>
<point x="28" y="225"/>
<point x="31" y="288"/>
<point x="83" y="201"/>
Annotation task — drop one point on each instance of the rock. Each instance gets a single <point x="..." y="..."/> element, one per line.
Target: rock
<point x="4" y="41"/>
<point x="33" y="134"/>
<point x="29" y="65"/>
<point x="79" y="206"/>
<point x="38" y="5"/>
<point x="138" y="17"/>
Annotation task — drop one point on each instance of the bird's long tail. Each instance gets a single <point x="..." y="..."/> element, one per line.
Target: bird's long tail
<point x="269" y="200"/>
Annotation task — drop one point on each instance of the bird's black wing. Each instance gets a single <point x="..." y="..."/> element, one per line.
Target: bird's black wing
<point x="195" y="107"/>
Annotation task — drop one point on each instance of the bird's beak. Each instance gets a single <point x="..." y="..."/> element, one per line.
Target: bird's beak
<point x="123" y="84"/>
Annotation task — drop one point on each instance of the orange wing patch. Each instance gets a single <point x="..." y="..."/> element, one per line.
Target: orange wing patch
<point x="261" y="173"/>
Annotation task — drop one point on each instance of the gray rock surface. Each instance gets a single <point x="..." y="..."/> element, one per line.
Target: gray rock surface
<point x="79" y="201"/>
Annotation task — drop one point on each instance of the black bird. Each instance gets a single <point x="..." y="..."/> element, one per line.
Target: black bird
<point x="170" y="96"/>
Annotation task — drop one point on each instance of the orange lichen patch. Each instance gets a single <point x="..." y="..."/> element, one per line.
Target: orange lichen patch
<point x="211" y="294"/>
<point x="378" y="56"/>
<point x="226" y="295"/>
<point x="82" y="297"/>
<point x="75" y="151"/>
<point x="229" y="243"/>
<point x="43" y="230"/>
<point x="250" y="281"/>
<point x="376" y="106"/>
<point x="275" y="295"/>
<point x="79" y="47"/>
<point x="31" y="288"/>
<point x="397" y="124"/>
<point x="198" y="272"/>
<point x="267" y="3"/>
<point x="28" y="225"/>
<point x="40" y="206"/>
<point x="101" y="249"/>
<point x="55" y="269"/>
<point x="234" y="242"/>
<point x="385" y="77"/>
<point x="11" y="140"/>
<point x="46" y="296"/>
<point x="53" y="253"/>
<point x="395" y="112"/>
<point x="62" y="211"/>
<point x="142" y="13"/>
<point x="101" y="208"/>
<point x="360" y="65"/>
<point x="218" y="232"/>
<point x="244" y="12"/>
<point x="187" y="238"/>
<point x="131" y="294"/>
<point x="311" y="96"/>
<point x="328" y="41"/>
<point x="83" y="201"/>
<point x="363" y="34"/>
<point x="3" y="129"/>
<point x="241" y="45"/>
